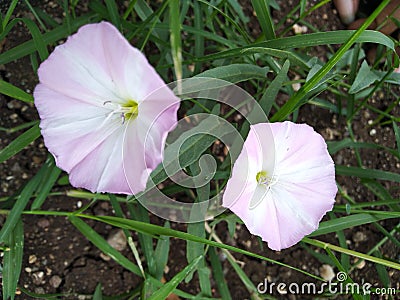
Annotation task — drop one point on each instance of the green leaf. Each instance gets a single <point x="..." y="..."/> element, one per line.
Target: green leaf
<point x="113" y="13"/>
<point x="168" y="288"/>
<point x="365" y="77"/>
<point x="189" y="147"/>
<point x="46" y="184"/>
<point x="20" y="143"/>
<point x="272" y="91"/>
<point x="236" y="72"/>
<point x="97" y="293"/>
<point x="367" y="173"/>
<point x="22" y="200"/>
<point x="175" y="38"/>
<point x="14" y="92"/>
<point x="161" y="252"/>
<point x="153" y="229"/>
<point x="306" y="40"/>
<point x="335" y="146"/>
<point x="284" y="54"/>
<point x="301" y="96"/>
<point x="9" y="12"/>
<point x="347" y="222"/>
<point x="48" y="38"/>
<point x="102" y="244"/>
<point x="219" y="275"/>
<point x="264" y="18"/>
<point x="12" y="261"/>
<point x="397" y="135"/>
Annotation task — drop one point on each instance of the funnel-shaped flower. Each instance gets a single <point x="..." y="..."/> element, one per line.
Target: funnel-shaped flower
<point x="104" y="110"/>
<point x="282" y="183"/>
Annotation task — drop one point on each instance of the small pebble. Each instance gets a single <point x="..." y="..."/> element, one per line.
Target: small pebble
<point x="105" y="257"/>
<point x="372" y="132"/>
<point x="361" y="265"/>
<point x="326" y="272"/>
<point x="117" y="240"/>
<point x="32" y="259"/>
<point x="37" y="278"/>
<point x="55" y="281"/>
<point x="359" y="236"/>
<point x="43" y="223"/>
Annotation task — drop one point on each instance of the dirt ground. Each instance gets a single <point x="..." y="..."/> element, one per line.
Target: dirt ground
<point x="58" y="259"/>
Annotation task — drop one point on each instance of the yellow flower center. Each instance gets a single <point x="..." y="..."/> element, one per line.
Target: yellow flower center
<point x="130" y="110"/>
<point x="127" y="111"/>
<point x="262" y="178"/>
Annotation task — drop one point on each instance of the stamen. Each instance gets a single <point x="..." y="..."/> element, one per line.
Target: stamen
<point x="127" y="111"/>
<point x="262" y="178"/>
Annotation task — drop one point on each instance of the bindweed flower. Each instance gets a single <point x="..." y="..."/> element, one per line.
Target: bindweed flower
<point x="282" y="183"/>
<point x="104" y="110"/>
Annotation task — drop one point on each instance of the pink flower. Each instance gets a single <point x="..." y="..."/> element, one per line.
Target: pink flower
<point x="104" y="110"/>
<point x="282" y="183"/>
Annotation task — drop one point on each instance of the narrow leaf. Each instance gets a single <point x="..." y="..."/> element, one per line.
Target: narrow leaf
<point x="347" y="222"/>
<point x="167" y="289"/>
<point x="365" y="77"/>
<point x="20" y="143"/>
<point x="264" y="18"/>
<point x="12" y="261"/>
<point x="236" y="72"/>
<point x="14" y="92"/>
<point x="102" y="244"/>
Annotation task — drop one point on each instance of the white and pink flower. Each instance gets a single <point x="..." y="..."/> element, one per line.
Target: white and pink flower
<point x="104" y="110"/>
<point x="282" y="183"/>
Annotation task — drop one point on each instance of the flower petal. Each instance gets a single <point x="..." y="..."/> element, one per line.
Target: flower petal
<point x="302" y="190"/>
<point x="84" y="85"/>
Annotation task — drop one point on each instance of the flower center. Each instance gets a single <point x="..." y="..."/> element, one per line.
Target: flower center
<point x="130" y="110"/>
<point x="263" y="178"/>
<point x="127" y="111"/>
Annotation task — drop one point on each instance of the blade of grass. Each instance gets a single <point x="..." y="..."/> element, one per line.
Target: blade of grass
<point x="261" y="8"/>
<point x="175" y="38"/>
<point x="12" y="261"/>
<point x="271" y="92"/>
<point x="219" y="275"/>
<point x="347" y="222"/>
<point x="138" y="212"/>
<point x="306" y="40"/>
<point x="22" y="200"/>
<point x="9" y="12"/>
<point x="397" y="135"/>
<point x="198" y="39"/>
<point x="373" y="259"/>
<point x="161" y="252"/>
<point x="20" y="143"/>
<point x="170" y="286"/>
<point x="367" y="173"/>
<point x="14" y="92"/>
<point x="48" y="38"/>
<point x="113" y="13"/>
<point x="102" y="244"/>
<point x="97" y="293"/>
<point x="236" y="72"/>
<point x="33" y="11"/>
<point x="49" y="178"/>
<point x="152" y="229"/>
